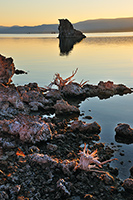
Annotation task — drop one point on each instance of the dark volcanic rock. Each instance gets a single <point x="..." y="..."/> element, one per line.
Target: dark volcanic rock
<point x="85" y="127"/>
<point x="128" y="184"/>
<point x="105" y="90"/>
<point x="62" y="107"/>
<point x="124" y="131"/>
<point x="28" y="128"/>
<point x="72" y="89"/>
<point x="10" y="101"/>
<point x="7" y="69"/>
<point x="66" y="30"/>
<point x="19" y="71"/>
<point x="32" y="95"/>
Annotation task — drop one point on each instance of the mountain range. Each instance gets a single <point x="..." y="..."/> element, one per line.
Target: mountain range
<point x="88" y="26"/>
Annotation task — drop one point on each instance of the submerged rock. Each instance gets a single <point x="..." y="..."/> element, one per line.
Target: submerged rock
<point x="66" y="30"/>
<point x="7" y="69"/>
<point x="28" y="128"/>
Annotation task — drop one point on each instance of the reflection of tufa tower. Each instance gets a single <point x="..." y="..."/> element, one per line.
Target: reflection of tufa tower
<point x="66" y="30"/>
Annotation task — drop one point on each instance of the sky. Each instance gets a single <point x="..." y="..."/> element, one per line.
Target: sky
<point x="37" y="12"/>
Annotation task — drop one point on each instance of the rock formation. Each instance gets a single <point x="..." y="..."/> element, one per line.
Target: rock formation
<point x="7" y="69"/>
<point x="124" y="133"/>
<point x="29" y="128"/>
<point x="85" y="127"/>
<point x="62" y="107"/>
<point x="66" y="30"/>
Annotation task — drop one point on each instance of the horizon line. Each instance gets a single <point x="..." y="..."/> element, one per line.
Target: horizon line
<point x="65" y="18"/>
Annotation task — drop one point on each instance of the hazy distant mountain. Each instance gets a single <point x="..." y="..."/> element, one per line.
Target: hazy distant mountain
<point x="98" y="25"/>
<point x="44" y="28"/>
<point x="105" y="25"/>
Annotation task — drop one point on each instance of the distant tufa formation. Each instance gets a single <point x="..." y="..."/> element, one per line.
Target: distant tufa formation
<point x="66" y="30"/>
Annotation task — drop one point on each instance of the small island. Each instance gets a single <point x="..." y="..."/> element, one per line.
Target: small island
<point x="66" y="30"/>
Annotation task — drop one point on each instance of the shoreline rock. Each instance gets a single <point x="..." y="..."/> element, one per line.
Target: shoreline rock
<point x="7" y="69"/>
<point x="46" y="170"/>
<point x="29" y="128"/>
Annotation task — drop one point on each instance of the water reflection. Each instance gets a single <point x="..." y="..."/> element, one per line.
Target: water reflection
<point x="97" y="58"/>
<point x="110" y="40"/>
<point x="123" y="140"/>
<point x="67" y="44"/>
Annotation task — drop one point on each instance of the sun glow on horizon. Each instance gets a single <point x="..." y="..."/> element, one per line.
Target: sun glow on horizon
<point x="32" y="12"/>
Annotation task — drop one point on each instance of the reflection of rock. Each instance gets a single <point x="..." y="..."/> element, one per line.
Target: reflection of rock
<point x="66" y="44"/>
<point x="7" y="69"/>
<point x="66" y="30"/>
<point x="131" y="171"/>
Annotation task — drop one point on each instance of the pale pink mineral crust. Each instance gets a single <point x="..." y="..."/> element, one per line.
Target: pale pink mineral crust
<point x="7" y="69"/>
<point x="28" y="128"/>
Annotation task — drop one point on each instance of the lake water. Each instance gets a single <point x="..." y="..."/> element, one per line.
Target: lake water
<point x="99" y="57"/>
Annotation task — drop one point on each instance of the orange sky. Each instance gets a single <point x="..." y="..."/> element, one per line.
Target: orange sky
<point x="35" y="12"/>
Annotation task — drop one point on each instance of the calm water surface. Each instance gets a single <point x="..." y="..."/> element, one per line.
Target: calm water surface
<point x="107" y="56"/>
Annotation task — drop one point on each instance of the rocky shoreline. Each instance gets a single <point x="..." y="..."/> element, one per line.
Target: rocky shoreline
<point x="39" y="155"/>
